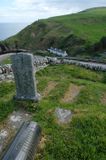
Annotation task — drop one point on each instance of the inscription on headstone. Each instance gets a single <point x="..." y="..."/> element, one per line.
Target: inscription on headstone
<point x="23" y="69"/>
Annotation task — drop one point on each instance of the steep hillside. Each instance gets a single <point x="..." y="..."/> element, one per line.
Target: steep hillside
<point x="76" y="33"/>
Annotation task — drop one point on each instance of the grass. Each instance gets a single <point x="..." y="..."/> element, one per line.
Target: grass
<point x="81" y="139"/>
<point x="84" y="137"/>
<point x="6" y="101"/>
<point x="86" y="24"/>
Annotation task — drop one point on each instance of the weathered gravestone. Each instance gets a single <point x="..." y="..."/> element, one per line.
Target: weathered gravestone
<point x="23" y="69"/>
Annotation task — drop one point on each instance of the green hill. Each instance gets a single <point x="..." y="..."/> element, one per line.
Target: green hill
<point x="77" y="33"/>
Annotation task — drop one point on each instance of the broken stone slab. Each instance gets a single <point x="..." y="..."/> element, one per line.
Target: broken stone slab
<point x="64" y="116"/>
<point x="24" y="146"/>
<point x="23" y="69"/>
<point x="3" y="136"/>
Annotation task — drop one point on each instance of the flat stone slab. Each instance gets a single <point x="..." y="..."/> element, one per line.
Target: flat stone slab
<point x="25" y="143"/>
<point x="63" y="116"/>
<point x="10" y="126"/>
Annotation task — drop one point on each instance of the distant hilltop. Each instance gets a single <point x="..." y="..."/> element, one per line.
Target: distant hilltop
<point x="83" y="33"/>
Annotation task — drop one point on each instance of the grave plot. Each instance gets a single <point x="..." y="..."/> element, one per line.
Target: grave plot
<point x="50" y="86"/>
<point x="71" y="94"/>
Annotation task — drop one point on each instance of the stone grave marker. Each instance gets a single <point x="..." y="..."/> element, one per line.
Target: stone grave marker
<point x="63" y="116"/>
<point x="23" y="69"/>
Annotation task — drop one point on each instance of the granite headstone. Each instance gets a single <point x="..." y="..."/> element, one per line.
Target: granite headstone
<point x="23" y="69"/>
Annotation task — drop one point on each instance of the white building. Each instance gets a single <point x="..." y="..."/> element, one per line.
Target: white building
<point x="58" y="52"/>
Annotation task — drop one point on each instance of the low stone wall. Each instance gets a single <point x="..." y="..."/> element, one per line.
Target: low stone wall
<point x="6" y="72"/>
<point x="7" y="77"/>
<point x="42" y="62"/>
<point x="88" y="65"/>
<point x="5" y="69"/>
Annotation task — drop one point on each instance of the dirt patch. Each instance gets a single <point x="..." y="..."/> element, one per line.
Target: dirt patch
<point x="103" y="99"/>
<point x="71" y="94"/>
<point x="42" y="142"/>
<point x="51" y="85"/>
<point x="41" y="147"/>
<point x="79" y="111"/>
<point x="33" y="35"/>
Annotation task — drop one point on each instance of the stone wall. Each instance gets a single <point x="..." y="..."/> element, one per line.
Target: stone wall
<point x="42" y="62"/>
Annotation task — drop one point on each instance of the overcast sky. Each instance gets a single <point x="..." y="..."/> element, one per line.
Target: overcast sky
<point x="31" y="10"/>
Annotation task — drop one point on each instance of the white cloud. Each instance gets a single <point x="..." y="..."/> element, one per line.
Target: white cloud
<point x="31" y="10"/>
<point x="24" y="3"/>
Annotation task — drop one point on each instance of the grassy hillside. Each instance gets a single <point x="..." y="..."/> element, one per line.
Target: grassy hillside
<point x="84" y="137"/>
<point x="74" y="32"/>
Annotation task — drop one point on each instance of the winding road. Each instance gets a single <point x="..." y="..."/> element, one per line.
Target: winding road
<point x="3" y="57"/>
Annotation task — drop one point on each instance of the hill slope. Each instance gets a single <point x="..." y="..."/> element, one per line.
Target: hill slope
<point x="74" y="32"/>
